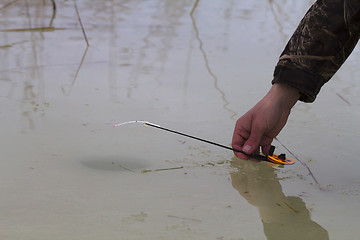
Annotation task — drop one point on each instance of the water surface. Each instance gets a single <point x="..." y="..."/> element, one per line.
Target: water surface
<point x="192" y="66"/>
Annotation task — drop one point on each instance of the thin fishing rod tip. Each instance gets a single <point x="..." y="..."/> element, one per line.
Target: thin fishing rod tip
<point x="119" y="124"/>
<point x="137" y="121"/>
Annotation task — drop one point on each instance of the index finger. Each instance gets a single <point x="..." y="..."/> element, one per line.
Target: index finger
<point x="237" y="143"/>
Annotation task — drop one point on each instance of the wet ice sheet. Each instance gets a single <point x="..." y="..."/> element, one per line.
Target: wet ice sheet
<point x="65" y="172"/>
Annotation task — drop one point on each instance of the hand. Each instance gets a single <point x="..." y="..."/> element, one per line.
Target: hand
<point x="261" y="124"/>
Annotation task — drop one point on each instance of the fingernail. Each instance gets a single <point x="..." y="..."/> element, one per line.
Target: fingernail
<point x="247" y="148"/>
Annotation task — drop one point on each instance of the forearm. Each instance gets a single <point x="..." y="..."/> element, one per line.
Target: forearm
<point x="322" y="42"/>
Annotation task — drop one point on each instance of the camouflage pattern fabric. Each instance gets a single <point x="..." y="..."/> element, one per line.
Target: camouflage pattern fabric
<point x="324" y="39"/>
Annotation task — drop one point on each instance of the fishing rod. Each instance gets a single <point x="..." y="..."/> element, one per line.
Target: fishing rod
<point x="271" y="157"/>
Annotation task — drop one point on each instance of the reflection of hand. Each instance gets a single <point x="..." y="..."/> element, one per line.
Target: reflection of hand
<point x="283" y="217"/>
<point x="257" y="183"/>
<point x="259" y="126"/>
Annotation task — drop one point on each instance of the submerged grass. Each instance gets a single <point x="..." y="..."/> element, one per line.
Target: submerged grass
<point x="38" y="29"/>
<point x="161" y="169"/>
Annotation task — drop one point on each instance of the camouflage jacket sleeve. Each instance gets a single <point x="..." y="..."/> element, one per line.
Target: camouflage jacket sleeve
<point x="321" y="43"/>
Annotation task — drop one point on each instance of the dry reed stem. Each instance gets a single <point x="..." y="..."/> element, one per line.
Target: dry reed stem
<point x="82" y="27"/>
<point x="53" y="13"/>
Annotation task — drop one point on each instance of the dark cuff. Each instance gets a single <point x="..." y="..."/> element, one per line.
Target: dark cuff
<point x="308" y="84"/>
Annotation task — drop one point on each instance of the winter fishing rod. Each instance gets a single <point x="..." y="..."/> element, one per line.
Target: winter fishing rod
<point x="271" y="157"/>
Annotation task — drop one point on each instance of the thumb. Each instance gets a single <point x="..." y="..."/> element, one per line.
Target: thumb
<point x="252" y="143"/>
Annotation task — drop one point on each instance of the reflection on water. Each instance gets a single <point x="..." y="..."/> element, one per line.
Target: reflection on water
<point x="115" y="163"/>
<point x="188" y="63"/>
<point x="283" y="217"/>
<point x="156" y="36"/>
<point x="206" y="61"/>
<point x="66" y="88"/>
<point x="23" y="62"/>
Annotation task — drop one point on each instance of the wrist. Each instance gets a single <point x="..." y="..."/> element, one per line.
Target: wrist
<point x="284" y="94"/>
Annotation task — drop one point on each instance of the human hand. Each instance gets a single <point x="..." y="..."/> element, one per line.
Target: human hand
<point x="261" y="124"/>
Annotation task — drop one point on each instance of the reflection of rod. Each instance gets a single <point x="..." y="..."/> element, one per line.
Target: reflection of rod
<point x="256" y="156"/>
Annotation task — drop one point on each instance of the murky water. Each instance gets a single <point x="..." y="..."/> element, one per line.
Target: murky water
<point x="192" y="66"/>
